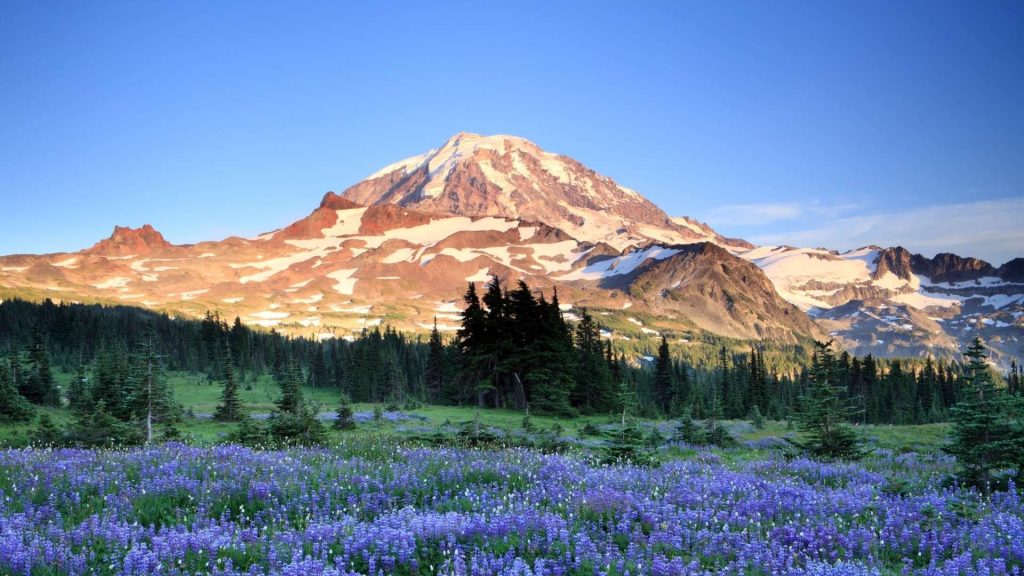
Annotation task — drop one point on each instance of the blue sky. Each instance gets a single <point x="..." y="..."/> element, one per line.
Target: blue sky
<point x="813" y="123"/>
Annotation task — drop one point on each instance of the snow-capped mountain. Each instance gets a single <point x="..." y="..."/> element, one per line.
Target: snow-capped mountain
<point x="347" y="266"/>
<point x="889" y="302"/>
<point x="399" y="247"/>
<point x="509" y="176"/>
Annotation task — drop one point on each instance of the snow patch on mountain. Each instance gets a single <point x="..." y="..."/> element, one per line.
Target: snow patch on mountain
<point x="346" y="283"/>
<point x="620" y="265"/>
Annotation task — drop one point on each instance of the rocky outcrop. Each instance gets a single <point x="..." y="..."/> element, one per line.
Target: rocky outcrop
<point x="1012" y="270"/>
<point x="127" y="241"/>
<point x="893" y="260"/>
<point x="712" y="287"/>
<point x="946" y="267"/>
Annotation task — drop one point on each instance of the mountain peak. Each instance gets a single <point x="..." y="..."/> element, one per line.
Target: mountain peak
<point x="126" y="240"/>
<point x="508" y="176"/>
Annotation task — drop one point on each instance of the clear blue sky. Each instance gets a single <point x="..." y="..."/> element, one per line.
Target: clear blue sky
<point x="822" y="123"/>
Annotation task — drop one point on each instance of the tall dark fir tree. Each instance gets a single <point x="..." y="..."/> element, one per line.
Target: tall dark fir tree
<point x="230" y="408"/>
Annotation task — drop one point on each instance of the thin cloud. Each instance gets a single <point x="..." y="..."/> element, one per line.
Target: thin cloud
<point x="769" y="213"/>
<point x="987" y="229"/>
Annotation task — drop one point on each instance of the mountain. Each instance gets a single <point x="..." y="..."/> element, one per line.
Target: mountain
<point x="508" y="176"/>
<point x="889" y="302"/>
<point x="399" y="247"/>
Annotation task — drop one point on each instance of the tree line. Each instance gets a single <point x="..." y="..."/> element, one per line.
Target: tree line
<point x="514" y="349"/>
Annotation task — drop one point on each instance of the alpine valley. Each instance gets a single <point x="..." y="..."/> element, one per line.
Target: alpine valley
<point x="399" y="247"/>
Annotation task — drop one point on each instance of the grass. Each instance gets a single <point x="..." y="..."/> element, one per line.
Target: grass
<point x="199" y="397"/>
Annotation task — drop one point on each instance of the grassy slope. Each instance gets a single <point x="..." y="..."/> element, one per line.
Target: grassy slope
<point x="200" y="397"/>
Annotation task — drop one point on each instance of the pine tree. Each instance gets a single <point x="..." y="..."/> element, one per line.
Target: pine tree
<point x="240" y="346"/>
<point x="149" y="396"/>
<point x="46" y="433"/>
<point x="627" y="444"/>
<point x="99" y="428"/>
<point x="78" y="391"/>
<point x="230" y="408"/>
<point x="595" y="390"/>
<point x="38" y="385"/>
<point x="435" y="372"/>
<point x="471" y="342"/>
<point x="756" y="418"/>
<point x="346" y="419"/>
<point x="663" y="378"/>
<point x="758" y="395"/>
<point x="318" y="377"/>
<point x="987" y="430"/>
<point x="294" y="422"/>
<point x="290" y="401"/>
<point x="823" y="412"/>
<point x="687" y="430"/>
<point x="13" y="406"/>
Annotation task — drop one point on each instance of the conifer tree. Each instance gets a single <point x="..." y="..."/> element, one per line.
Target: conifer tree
<point x="46" y="433"/>
<point x="471" y="342"/>
<point x="663" y="378"/>
<point x="988" y="425"/>
<point x="99" y="428"/>
<point x="294" y="422"/>
<point x="13" y="406"/>
<point x="595" y="390"/>
<point x="756" y="417"/>
<point x="552" y="358"/>
<point x="149" y="397"/>
<point x="38" y="385"/>
<point x="824" y="413"/>
<point x="687" y="430"/>
<point x="290" y="401"/>
<point x="435" y="372"/>
<point x="230" y="408"/>
<point x="78" y="391"/>
<point x="346" y="419"/>
<point x="240" y="346"/>
<point x="627" y="443"/>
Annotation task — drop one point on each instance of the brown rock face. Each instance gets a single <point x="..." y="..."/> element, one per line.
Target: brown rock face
<point x="947" y="267"/>
<point x="712" y="287"/>
<point x="1012" y="270"/>
<point x="895" y="260"/>
<point x="127" y="241"/>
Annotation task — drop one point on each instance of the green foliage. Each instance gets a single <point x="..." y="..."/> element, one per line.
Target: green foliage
<point x="435" y="376"/>
<point x="299" y="428"/>
<point x="346" y="419"/>
<point x="46" y="432"/>
<point x="823" y="412"/>
<point x="988" y="425"/>
<point x="655" y="438"/>
<point x="250" y="433"/>
<point x="756" y="418"/>
<point x="36" y="382"/>
<point x="230" y="408"/>
<point x="13" y="406"/>
<point x="664" y="387"/>
<point x="687" y="431"/>
<point x="99" y="428"/>
<point x="520" y="351"/>
<point x="294" y="422"/>
<point x="78" y="390"/>
<point x="716" y="434"/>
<point x="627" y="445"/>
<point x="526" y="424"/>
